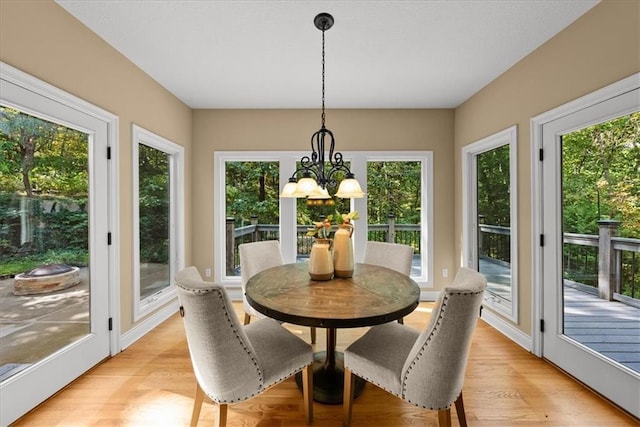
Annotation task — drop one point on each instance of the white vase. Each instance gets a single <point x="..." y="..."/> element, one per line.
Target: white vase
<point x="343" y="261"/>
<point x="320" y="260"/>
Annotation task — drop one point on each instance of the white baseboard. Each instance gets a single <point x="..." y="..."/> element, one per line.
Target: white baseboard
<point x="429" y="295"/>
<point x="148" y="324"/>
<point x="507" y="329"/>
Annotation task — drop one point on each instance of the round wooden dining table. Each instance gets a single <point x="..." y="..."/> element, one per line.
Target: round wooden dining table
<point x="374" y="295"/>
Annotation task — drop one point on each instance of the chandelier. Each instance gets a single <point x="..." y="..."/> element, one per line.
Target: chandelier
<point x="318" y="172"/>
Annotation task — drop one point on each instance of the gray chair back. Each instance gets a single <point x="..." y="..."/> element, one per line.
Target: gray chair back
<point x="440" y="353"/>
<point x="395" y="256"/>
<point x="254" y="258"/>
<point x="223" y="359"/>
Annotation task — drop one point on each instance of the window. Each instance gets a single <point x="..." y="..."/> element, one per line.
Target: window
<point x="247" y="206"/>
<point x="489" y="223"/>
<point x="158" y="166"/>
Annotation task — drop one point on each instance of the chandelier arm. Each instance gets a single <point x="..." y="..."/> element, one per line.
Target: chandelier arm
<point x="302" y="169"/>
<point x="335" y="169"/>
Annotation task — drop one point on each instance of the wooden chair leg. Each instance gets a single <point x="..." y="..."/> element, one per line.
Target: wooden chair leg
<point x="313" y="335"/>
<point x="307" y="392"/>
<point x="444" y="417"/>
<point x="462" y="418"/>
<point x="197" y="405"/>
<point x="221" y="419"/>
<point x="247" y="318"/>
<point x="347" y="400"/>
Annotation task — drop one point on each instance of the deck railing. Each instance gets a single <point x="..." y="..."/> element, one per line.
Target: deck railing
<point x="608" y="265"/>
<point x="408" y="234"/>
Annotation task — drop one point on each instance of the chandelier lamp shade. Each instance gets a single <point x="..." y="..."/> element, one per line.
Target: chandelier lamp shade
<point x="324" y="167"/>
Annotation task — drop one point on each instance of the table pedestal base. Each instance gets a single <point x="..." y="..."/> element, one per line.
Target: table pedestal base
<point x="328" y="380"/>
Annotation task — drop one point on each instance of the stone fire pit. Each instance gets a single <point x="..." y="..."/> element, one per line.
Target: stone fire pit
<point x="46" y="278"/>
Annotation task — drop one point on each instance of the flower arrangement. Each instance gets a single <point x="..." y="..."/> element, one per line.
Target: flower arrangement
<point x="323" y="229"/>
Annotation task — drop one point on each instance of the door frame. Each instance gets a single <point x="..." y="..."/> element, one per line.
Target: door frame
<point x="45" y="90"/>
<point x="615" y="89"/>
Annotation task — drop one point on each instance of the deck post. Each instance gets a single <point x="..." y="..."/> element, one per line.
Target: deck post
<point x="607" y="277"/>
<point x="254" y="223"/>
<point x="230" y="242"/>
<point x="391" y="234"/>
<point x="481" y="237"/>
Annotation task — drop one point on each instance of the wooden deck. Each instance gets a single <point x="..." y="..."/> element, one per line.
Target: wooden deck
<point x="609" y="327"/>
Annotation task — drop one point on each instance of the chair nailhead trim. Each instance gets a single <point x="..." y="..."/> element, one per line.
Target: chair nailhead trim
<point x="237" y="334"/>
<point x="433" y="333"/>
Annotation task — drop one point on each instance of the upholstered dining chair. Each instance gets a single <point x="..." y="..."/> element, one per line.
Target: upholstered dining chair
<point x="232" y="362"/>
<point x="394" y="256"/>
<point x="254" y="258"/>
<point x="424" y="368"/>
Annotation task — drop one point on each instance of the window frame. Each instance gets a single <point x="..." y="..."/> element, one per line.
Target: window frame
<point x="287" y="160"/>
<point x="144" y="306"/>
<point x="470" y="152"/>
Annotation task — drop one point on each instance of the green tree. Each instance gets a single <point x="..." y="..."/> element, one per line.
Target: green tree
<point x="493" y="192"/>
<point x="394" y="187"/>
<point x="37" y="155"/>
<point x="601" y="176"/>
<point x="153" y="192"/>
<point x="43" y="188"/>
<point x="252" y="188"/>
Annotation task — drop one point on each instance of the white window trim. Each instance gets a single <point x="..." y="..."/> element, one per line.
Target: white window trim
<point x="142" y="307"/>
<point x="219" y="207"/>
<point x="358" y="165"/>
<point x="508" y="137"/>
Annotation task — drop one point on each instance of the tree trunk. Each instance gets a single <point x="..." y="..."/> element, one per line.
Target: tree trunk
<point x="27" y="149"/>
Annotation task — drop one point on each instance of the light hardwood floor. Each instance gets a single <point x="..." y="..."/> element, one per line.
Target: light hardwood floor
<point x="151" y="383"/>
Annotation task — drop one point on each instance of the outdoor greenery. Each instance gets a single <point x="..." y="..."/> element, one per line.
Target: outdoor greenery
<point x="153" y="199"/>
<point x="601" y="180"/>
<point x="252" y="188"/>
<point x="43" y="193"/>
<point x="494" y="190"/>
<point x="394" y="188"/>
<point x="494" y="200"/>
<point x="44" y="190"/>
<point x="601" y="176"/>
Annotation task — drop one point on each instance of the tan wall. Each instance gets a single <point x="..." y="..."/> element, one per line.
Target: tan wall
<point x="355" y="130"/>
<point x="600" y="48"/>
<point x="42" y="39"/>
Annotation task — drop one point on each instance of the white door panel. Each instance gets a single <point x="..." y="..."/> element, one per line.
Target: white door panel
<point x="21" y="392"/>
<point x="610" y="378"/>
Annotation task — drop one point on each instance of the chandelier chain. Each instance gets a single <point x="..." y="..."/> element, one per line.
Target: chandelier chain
<point x="323" y="77"/>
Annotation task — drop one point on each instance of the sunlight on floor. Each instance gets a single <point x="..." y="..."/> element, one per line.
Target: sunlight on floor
<point x="160" y="408"/>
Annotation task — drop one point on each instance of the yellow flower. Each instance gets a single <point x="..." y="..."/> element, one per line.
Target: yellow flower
<point x="347" y="218"/>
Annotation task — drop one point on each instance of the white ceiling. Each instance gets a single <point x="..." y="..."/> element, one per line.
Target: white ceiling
<point x="379" y="54"/>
